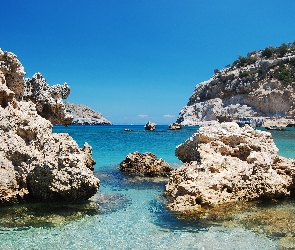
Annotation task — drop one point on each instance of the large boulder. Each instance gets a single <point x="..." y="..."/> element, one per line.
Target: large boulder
<point x="225" y="163"/>
<point x="146" y="164"/>
<point x="34" y="162"/>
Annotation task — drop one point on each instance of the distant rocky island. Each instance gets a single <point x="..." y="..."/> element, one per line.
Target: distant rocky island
<point x="83" y="115"/>
<point x="260" y="85"/>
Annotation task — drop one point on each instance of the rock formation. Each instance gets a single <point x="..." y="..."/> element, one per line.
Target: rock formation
<point x="259" y="85"/>
<point x="83" y="115"/>
<point x="150" y="126"/>
<point x="146" y="164"/>
<point x="48" y="99"/>
<point x="174" y="126"/>
<point x="226" y="163"/>
<point x="34" y="162"/>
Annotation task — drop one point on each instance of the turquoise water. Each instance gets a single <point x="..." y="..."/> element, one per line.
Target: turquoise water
<point x="128" y="213"/>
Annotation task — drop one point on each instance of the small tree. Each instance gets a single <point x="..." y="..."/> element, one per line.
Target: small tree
<point x="282" y="49"/>
<point x="267" y="52"/>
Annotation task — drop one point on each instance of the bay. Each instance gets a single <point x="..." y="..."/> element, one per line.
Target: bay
<point x="130" y="213"/>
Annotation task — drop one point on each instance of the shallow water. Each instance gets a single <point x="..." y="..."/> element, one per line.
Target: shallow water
<point x="130" y="213"/>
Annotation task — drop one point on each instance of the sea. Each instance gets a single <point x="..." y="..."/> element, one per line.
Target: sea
<point x="129" y="212"/>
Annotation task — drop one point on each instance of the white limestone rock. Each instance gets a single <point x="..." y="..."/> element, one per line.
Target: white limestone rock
<point x="250" y="90"/>
<point x="34" y="162"/>
<point x="83" y="115"/>
<point x="226" y="163"/>
<point x="48" y="99"/>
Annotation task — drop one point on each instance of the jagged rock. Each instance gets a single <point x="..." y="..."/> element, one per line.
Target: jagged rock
<point x="259" y="88"/>
<point x="70" y="178"/>
<point x="150" y="126"/>
<point x="11" y="74"/>
<point x="174" y="126"/>
<point x="48" y="99"/>
<point x="34" y="162"/>
<point x="146" y="164"/>
<point x="83" y="115"/>
<point x="226" y="163"/>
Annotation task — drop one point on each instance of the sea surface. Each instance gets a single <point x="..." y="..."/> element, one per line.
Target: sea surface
<point x="130" y="213"/>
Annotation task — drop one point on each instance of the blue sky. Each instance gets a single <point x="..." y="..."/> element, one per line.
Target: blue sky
<point x="137" y="60"/>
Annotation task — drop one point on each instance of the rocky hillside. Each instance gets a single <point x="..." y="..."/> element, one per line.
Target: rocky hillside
<point x="259" y="85"/>
<point x="83" y="115"/>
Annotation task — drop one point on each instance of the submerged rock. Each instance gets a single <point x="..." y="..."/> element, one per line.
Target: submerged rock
<point x="146" y="164"/>
<point x="34" y="162"/>
<point x="150" y="126"/>
<point x="226" y="163"/>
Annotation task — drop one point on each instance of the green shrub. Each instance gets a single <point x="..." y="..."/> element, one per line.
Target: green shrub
<point x="285" y="74"/>
<point x="282" y="50"/>
<point x="267" y="52"/>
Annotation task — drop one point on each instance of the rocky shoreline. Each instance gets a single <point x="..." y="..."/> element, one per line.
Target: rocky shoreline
<point x="260" y="85"/>
<point x="37" y="164"/>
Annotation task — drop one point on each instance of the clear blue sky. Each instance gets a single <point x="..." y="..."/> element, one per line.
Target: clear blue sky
<point x="138" y="60"/>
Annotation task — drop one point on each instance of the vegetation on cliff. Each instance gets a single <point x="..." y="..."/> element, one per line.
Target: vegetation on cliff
<point x="262" y="84"/>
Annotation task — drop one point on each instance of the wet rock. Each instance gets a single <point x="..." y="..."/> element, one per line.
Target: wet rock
<point x="146" y="164"/>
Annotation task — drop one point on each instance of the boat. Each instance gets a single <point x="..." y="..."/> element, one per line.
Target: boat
<point x="128" y="130"/>
<point x="276" y="128"/>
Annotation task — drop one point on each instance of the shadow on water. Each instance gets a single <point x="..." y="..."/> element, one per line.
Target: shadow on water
<point x="23" y="216"/>
<point x="118" y="181"/>
<point x="169" y="221"/>
<point x="274" y="219"/>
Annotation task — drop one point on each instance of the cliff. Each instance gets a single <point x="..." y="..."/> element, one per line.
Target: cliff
<point x="82" y="114"/>
<point x="36" y="164"/>
<point x="259" y="85"/>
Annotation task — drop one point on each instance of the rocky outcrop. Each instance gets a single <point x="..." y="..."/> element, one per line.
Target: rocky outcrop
<point x="259" y="85"/>
<point x="150" y="126"/>
<point x="83" y="115"/>
<point x="226" y="163"/>
<point x="174" y="126"/>
<point x="48" y="99"/>
<point x="146" y="164"/>
<point x="34" y="162"/>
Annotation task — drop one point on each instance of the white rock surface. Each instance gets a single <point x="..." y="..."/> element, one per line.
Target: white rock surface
<point x="251" y="90"/>
<point x="225" y="163"/>
<point x="83" y="115"/>
<point x="34" y="162"/>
